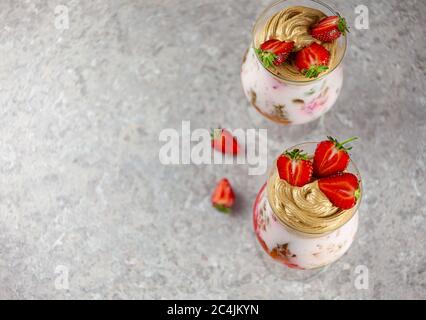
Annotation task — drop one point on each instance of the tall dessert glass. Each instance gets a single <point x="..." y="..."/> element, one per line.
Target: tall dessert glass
<point x="306" y="236"/>
<point x="283" y="94"/>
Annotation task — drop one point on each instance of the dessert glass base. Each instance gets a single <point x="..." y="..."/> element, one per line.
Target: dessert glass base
<point x="284" y="102"/>
<point x="286" y="274"/>
<point x="295" y="250"/>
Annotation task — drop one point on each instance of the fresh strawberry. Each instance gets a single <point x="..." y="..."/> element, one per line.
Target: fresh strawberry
<point x="274" y="52"/>
<point x="225" y="142"/>
<point x="223" y="197"/>
<point x="329" y="29"/>
<point x="295" y="168"/>
<point x="331" y="157"/>
<point x="312" y="60"/>
<point x="342" y="189"/>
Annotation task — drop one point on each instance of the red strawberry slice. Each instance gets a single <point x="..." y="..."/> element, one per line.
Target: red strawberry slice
<point x="312" y="60"/>
<point x="269" y="45"/>
<point x="295" y="168"/>
<point x="274" y="52"/>
<point x="225" y="142"/>
<point x="223" y="196"/>
<point x="331" y="157"/>
<point x="329" y="29"/>
<point x="342" y="190"/>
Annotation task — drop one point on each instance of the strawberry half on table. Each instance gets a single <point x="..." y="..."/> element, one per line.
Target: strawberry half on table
<point x="329" y="29"/>
<point x="312" y="60"/>
<point x="223" y="196"/>
<point x="295" y="168"/>
<point x="274" y="52"/>
<point x="342" y="190"/>
<point x="331" y="157"/>
<point x="223" y="141"/>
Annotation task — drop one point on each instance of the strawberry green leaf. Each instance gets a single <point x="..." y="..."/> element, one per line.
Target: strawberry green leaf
<point x="222" y="208"/>
<point x="296" y="154"/>
<point x="266" y="57"/>
<point x="343" y="26"/>
<point x="357" y="194"/>
<point x="314" y="71"/>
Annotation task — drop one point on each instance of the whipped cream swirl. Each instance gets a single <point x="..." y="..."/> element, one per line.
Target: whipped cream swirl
<point x="305" y="209"/>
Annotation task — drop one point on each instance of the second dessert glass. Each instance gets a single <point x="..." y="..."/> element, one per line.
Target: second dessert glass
<point x="289" y="100"/>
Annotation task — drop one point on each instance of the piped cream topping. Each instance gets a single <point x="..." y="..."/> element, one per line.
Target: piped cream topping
<point x="293" y="24"/>
<point x="305" y="209"/>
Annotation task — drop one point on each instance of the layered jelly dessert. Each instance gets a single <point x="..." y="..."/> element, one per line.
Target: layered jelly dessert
<point x="306" y="215"/>
<point x="292" y="72"/>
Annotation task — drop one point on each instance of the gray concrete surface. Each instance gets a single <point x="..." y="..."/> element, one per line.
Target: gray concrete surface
<point x="82" y="191"/>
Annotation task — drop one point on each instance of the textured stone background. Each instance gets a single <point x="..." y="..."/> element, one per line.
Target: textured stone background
<point x="81" y="185"/>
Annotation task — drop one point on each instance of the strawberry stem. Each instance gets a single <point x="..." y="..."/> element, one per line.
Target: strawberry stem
<point x="216" y="133"/>
<point x="341" y="145"/>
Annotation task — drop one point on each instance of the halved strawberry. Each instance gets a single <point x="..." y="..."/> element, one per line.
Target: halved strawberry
<point x="331" y="157"/>
<point x="329" y="28"/>
<point x="342" y="190"/>
<point x="312" y="60"/>
<point x="223" y="196"/>
<point x="295" y="168"/>
<point x="274" y="52"/>
<point x="225" y="142"/>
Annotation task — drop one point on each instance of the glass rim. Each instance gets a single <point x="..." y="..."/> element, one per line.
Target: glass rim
<point x="263" y="13"/>
<point x="356" y="207"/>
